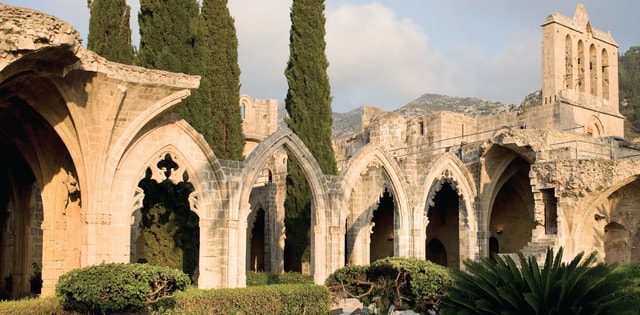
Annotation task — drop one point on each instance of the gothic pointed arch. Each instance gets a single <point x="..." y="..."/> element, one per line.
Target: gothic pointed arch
<point x="594" y="127"/>
<point x="255" y="162"/>
<point x="322" y="221"/>
<point x="610" y="223"/>
<point x="169" y="163"/>
<point x="36" y="130"/>
<point x="449" y="192"/>
<point x="372" y="153"/>
<point x="449" y="169"/>
<point x="507" y="201"/>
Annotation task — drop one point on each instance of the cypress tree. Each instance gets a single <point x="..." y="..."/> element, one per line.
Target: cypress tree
<point x="109" y="30"/>
<point x="168" y="34"/>
<point x="222" y="73"/>
<point x="308" y="99"/>
<point x="168" y="41"/>
<point x="308" y="103"/>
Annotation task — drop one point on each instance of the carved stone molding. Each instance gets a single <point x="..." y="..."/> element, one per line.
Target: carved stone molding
<point x="97" y="218"/>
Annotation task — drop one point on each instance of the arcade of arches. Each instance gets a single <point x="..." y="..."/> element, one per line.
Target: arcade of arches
<point x="85" y="140"/>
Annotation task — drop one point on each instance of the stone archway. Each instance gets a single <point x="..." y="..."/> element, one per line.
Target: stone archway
<point x="512" y="218"/>
<point x="507" y="199"/>
<point x="43" y="201"/>
<point x="256" y="247"/>
<point x="369" y="174"/>
<point x="448" y="213"/>
<point x="322" y="259"/>
<point x="611" y="225"/>
<point x="197" y="170"/>
<point x="167" y="225"/>
<point x="444" y="226"/>
<point x="436" y="252"/>
<point x="382" y="233"/>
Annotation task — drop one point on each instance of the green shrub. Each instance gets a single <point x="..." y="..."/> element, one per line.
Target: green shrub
<point x="500" y="286"/>
<point x="406" y="283"/>
<point x="631" y="273"/>
<point x="272" y="299"/>
<point x="117" y="287"/>
<point x="265" y="278"/>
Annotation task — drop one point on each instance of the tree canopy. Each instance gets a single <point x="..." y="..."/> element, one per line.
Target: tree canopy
<point x="109" y="30"/>
<point x="222" y="74"/>
<point x="308" y="103"/>
<point x="629" y="85"/>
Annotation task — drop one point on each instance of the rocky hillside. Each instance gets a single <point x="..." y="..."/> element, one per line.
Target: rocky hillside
<point x="350" y="122"/>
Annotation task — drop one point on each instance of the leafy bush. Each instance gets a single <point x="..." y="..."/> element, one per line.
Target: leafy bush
<point x="272" y="299"/>
<point x="499" y="286"/>
<point x="406" y="283"/>
<point x="631" y="273"/>
<point x="117" y="287"/>
<point x="265" y="278"/>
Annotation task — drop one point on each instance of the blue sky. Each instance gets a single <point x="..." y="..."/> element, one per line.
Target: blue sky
<point x="386" y="53"/>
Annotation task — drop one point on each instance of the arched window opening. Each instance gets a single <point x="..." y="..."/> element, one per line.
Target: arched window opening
<point x="436" y="252"/>
<point x="550" y="211"/>
<point x="605" y="74"/>
<point x="581" y="69"/>
<point x="382" y="237"/>
<point x="169" y="230"/>
<point x="594" y="127"/>
<point x="568" y="63"/>
<point x="512" y="214"/>
<point x="242" y="110"/>
<point x="593" y="72"/>
<point x="257" y="254"/>
<point x="494" y="246"/>
<point x="443" y="225"/>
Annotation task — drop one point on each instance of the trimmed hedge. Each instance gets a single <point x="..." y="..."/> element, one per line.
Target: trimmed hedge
<point x="33" y="306"/>
<point x="406" y="283"/>
<point x="271" y="299"/>
<point x="117" y="287"/>
<point x="265" y="278"/>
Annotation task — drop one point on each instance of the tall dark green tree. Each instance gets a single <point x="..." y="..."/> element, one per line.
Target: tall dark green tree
<point x="222" y="73"/>
<point x="169" y="35"/>
<point x="109" y="30"/>
<point x="308" y="99"/>
<point x="629" y="84"/>
<point x="308" y="103"/>
<point x="169" y="31"/>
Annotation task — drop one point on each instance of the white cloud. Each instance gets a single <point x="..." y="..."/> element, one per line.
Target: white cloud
<point x="262" y="28"/>
<point x="377" y="59"/>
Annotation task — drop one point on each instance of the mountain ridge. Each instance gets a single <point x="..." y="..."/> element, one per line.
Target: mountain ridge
<point x="351" y="122"/>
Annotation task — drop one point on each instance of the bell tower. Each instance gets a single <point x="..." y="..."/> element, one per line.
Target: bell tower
<point x="580" y="75"/>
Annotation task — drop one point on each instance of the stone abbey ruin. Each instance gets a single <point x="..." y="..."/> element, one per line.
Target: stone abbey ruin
<point x="79" y="133"/>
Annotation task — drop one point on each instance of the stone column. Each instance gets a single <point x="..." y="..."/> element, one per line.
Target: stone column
<point x="319" y="259"/>
<point x="336" y="249"/>
<point x="211" y="266"/>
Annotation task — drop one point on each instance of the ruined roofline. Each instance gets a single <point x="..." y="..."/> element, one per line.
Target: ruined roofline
<point x="26" y="32"/>
<point x="580" y="23"/>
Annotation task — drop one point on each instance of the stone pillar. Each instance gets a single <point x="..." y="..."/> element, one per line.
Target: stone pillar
<point x="417" y="240"/>
<point x="212" y="263"/>
<point x="235" y="259"/>
<point x="336" y="249"/>
<point x="319" y="259"/>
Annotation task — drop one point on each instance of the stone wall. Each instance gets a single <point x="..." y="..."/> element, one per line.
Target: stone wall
<point x="85" y="132"/>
